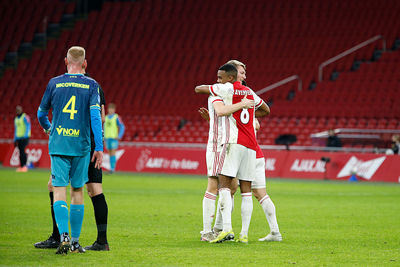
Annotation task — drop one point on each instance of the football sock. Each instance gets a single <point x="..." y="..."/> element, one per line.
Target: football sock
<point x="55" y="234"/>
<point x="208" y="211"/>
<point x="226" y="208"/>
<point x="113" y="161"/>
<point x="100" y="214"/>
<point x="233" y="203"/>
<point x="61" y="213"/>
<point x="269" y="210"/>
<point x="76" y="219"/>
<point x="247" y="209"/>
<point x="218" y="217"/>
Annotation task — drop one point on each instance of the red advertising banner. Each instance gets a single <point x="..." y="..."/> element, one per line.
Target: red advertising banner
<point x="37" y="155"/>
<point x="283" y="164"/>
<point x="166" y="160"/>
<point x="309" y="165"/>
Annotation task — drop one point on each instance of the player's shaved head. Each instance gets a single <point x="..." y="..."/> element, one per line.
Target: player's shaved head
<point x="236" y="63"/>
<point x="76" y="55"/>
<point x="230" y="70"/>
<point x="18" y="109"/>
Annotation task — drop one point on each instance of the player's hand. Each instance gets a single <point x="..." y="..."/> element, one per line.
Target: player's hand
<point x="98" y="159"/>
<point x="247" y="103"/>
<point x="257" y="125"/>
<point x="204" y="113"/>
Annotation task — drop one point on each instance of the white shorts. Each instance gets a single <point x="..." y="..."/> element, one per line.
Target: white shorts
<point x="212" y="159"/>
<point x="259" y="178"/>
<point x="237" y="161"/>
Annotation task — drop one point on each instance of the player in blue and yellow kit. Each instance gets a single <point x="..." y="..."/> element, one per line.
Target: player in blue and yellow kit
<point x="113" y="131"/>
<point x="22" y="126"/>
<point x="75" y="103"/>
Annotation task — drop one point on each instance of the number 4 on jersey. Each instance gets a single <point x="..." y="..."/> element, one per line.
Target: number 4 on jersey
<point x="72" y="109"/>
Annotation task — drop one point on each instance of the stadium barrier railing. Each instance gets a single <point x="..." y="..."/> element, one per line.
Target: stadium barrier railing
<point x="348" y="52"/>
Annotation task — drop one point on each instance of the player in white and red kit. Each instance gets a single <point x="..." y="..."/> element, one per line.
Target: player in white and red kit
<point x="258" y="185"/>
<point x="212" y="158"/>
<point x="238" y="154"/>
<point x="259" y="190"/>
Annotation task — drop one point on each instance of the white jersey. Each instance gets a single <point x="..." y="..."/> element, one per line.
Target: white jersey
<point x="214" y="134"/>
<point x="237" y="128"/>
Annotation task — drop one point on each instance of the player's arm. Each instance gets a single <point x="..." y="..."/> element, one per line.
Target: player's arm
<point x="121" y="128"/>
<point x="103" y="114"/>
<point x="95" y="122"/>
<point x="262" y="111"/>
<point x="27" y="122"/>
<point x="262" y="108"/>
<point x="102" y="104"/>
<point x="15" y="135"/>
<point x="225" y="110"/>
<point x="257" y="125"/>
<point x="202" y="89"/>
<point x="44" y="109"/>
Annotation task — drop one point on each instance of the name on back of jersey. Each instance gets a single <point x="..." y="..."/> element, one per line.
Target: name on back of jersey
<point x="242" y="92"/>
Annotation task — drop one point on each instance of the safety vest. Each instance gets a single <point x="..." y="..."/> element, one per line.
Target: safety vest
<point x="111" y="127"/>
<point x="21" y="126"/>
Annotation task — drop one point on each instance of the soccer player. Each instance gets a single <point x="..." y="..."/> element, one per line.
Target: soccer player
<point x="258" y="185"/>
<point x="237" y="158"/>
<point x="22" y="132"/>
<point x="212" y="158"/>
<point x="259" y="190"/>
<point x="113" y="131"/>
<point x="95" y="191"/>
<point x="75" y="102"/>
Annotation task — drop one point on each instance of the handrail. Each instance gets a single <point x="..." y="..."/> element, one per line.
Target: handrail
<point x="349" y="51"/>
<point x="282" y="82"/>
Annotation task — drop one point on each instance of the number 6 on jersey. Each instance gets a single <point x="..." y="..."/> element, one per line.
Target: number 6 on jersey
<point x="72" y="109"/>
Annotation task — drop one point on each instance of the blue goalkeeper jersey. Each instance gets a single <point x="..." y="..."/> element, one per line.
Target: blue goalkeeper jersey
<point x="71" y="97"/>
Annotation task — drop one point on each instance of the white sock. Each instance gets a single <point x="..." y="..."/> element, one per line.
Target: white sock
<point x="269" y="210"/>
<point x="218" y="217"/>
<point x="247" y="210"/>
<point x="208" y="211"/>
<point x="226" y="208"/>
<point x="233" y="203"/>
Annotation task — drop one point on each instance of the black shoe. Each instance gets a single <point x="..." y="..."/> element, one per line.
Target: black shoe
<point x="98" y="247"/>
<point x="49" y="243"/>
<point x="65" y="245"/>
<point x="77" y="248"/>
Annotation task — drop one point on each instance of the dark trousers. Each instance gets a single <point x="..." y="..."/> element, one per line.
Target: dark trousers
<point x="22" y="143"/>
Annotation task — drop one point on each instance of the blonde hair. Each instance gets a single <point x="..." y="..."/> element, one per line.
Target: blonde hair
<point x="76" y="55"/>
<point x="236" y="63"/>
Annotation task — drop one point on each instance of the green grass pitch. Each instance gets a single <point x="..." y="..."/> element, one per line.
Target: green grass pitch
<point x="156" y="220"/>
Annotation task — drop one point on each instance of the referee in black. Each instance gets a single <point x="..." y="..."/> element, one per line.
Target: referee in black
<point x="95" y="191"/>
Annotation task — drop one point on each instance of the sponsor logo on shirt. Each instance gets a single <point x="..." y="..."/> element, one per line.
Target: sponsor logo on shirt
<point x="365" y="169"/>
<point x="67" y="132"/>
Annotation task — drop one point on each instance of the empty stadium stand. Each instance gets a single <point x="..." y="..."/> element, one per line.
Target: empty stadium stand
<point x="149" y="55"/>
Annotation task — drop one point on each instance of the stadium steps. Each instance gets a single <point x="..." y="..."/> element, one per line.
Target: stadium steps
<point x="158" y="51"/>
